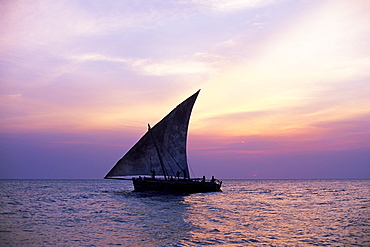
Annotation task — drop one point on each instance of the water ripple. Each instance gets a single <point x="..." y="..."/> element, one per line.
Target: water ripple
<point x="247" y="213"/>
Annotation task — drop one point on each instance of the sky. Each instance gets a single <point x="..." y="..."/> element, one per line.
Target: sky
<point x="285" y="85"/>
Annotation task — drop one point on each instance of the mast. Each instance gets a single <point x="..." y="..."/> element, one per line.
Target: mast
<point x="159" y="156"/>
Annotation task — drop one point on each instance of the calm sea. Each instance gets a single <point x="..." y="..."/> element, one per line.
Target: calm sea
<point x="246" y="213"/>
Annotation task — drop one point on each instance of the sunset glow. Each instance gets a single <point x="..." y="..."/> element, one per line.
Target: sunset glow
<point x="283" y="84"/>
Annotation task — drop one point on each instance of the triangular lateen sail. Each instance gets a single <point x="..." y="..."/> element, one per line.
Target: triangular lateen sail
<point x="166" y="139"/>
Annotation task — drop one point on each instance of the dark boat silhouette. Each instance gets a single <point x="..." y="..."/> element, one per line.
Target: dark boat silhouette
<point x="161" y="155"/>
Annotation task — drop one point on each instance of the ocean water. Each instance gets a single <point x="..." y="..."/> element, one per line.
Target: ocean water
<point x="246" y="213"/>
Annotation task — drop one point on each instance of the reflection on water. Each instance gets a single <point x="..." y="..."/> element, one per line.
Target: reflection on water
<point x="247" y="213"/>
<point x="279" y="213"/>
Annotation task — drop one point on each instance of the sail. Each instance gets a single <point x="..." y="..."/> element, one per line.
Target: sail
<point x="162" y="148"/>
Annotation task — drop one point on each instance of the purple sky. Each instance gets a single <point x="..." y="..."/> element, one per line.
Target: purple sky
<point x="285" y="85"/>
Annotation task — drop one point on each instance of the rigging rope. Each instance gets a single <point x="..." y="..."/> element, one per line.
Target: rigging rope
<point x="191" y="170"/>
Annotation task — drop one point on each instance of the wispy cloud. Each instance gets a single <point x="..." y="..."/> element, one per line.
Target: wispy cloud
<point x="231" y="5"/>
<point x="199" y="64"/>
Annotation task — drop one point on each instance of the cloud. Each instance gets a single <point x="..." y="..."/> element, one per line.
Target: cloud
<point x="174" y="67"/>
<point x="231" y="5"/>
<point x="95" y="57"/>
<point x="264" y="134"/>
<point x="200" y="63"/>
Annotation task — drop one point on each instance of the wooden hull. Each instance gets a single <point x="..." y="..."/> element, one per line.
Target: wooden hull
<point x="180" y="185"/>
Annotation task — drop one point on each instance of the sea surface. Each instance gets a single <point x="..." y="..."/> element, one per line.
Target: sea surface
<point x="246" y="213"/>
